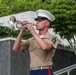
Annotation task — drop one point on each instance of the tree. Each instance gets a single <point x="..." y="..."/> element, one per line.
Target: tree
<point x="65" y="23"/>
<point x="7" y="32"/>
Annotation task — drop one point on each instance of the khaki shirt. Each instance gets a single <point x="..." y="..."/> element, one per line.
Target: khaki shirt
<point x="38" y="56"/>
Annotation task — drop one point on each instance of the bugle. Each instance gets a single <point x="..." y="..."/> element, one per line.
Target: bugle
<point x="17" y="23"/>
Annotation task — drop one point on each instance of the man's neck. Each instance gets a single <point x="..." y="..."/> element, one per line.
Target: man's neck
<point x="42" y="32"/>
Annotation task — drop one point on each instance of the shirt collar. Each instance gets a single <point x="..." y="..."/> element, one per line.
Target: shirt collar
<point x="46" y="35"/>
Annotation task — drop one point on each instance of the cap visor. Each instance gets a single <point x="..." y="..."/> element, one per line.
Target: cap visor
<point x="39" y="17"/>
<point x="36" y="19"/>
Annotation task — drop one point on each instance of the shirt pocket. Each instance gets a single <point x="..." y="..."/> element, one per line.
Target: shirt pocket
<point x="32" y="45"/>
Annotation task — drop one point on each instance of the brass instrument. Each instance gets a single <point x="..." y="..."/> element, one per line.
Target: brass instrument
<point x="17" y="23"/>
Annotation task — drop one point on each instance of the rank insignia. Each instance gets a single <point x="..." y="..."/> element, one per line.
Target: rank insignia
<point x="53" y="40"/>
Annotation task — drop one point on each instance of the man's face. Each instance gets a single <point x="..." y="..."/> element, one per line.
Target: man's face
<point x="40" y="24"/>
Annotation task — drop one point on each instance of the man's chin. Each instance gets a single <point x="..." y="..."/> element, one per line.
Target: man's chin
<point x="38" y="28"/>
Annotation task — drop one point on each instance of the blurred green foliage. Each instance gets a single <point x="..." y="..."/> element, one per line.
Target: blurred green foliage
<point x="7" y="32"/>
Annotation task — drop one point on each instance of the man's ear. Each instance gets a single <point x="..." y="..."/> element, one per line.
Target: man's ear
<point x="47" y="23"/>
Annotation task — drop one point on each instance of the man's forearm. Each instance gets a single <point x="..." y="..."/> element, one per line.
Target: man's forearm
<point x="44" y="45"/>
<point x="17" y="43"/>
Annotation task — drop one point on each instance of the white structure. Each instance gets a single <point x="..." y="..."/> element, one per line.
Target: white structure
<point x="28" y="16"/>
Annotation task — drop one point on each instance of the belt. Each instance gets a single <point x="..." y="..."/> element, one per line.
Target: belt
<point x="40" y="68"/>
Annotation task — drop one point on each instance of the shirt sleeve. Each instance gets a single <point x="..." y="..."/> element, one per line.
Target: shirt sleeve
<point x="25" y="45"/>
<point x="54" y="42"/>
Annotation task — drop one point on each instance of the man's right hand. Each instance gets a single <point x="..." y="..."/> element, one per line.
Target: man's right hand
<point x="23" y="29"/>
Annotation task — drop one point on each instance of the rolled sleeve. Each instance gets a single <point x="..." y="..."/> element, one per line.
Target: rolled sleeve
<point x="54" y="42"/>
<point x="25" y="44"/>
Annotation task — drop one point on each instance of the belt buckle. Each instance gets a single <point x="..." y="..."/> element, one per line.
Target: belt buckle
<point x="45" y="67"/>
<point x="41" y="67"/>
